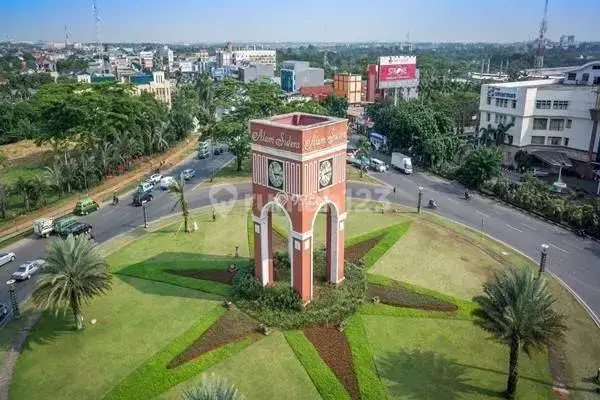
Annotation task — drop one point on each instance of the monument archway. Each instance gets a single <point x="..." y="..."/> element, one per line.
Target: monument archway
<point x="299" y="163"/>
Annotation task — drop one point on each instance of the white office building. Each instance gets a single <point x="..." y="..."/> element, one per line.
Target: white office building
<point x="254" y="56"/>
<point x="553" y="118"/>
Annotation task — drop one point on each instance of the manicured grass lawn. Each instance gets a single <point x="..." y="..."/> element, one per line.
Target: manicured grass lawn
<point x="229" y="173"/>
<point x="433" y="257"/>
<point x="267" y="369"/>
<point x="213" y="240"/>
<point x="448" y="359"/>
<point x="11" y="329"/>
<point x="353" y="174"/>
<point x="135" y="320"/>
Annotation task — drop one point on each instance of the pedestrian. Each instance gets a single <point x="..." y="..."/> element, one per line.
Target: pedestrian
<point x="214" y="216"/>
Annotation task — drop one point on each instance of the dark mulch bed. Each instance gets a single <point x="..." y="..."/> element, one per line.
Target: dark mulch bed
<point x="231" y="327"/>
<point x="334" y="350"/>
<point x="396" y="295"/>
<point x="354" y="253"/>
<point x="215" y="275"/>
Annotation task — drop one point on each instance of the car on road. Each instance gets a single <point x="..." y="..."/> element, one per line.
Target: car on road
<point x="378" y="165"/>
<point x="218" y="150"/>
<point x="66" y="226"/>
<point x="25" y="271"/>
<point x="155" y="178"/>
<point x="141" y="198"/>
<point x="6" y="257"/>
<point x="166" y="182"/>
<point x="203" y="153"/>
<point x="145" y="187"/>
<point x="85" y="206"/>
<point x="539" y="172"/>
<point x="188" y="174"/>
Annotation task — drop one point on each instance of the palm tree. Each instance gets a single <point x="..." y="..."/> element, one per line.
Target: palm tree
<point x="3" y="200"/>
<point x="363" y="147"/>
<point x="486" y="135"/>
<point x="517" y="310"/>
<point x="38" y="188"/>
<point x="74" y="273"/>
<point x="501" y="130"/>
<point x="178" y="188"/>
<point x="55" y="177"/>
<point x="213" y="388"/>
<point x="23" y="187"/>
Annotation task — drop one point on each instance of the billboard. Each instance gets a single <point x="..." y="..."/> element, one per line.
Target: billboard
<point x="511" y="93"/>
<point x="397" y="71"/>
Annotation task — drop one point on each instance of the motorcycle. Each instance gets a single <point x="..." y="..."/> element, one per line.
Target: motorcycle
<point x="467" y="196"/>
<point x="581" y="233"/>
<point x="432" y="205"/>
<point x="115" y="200"/>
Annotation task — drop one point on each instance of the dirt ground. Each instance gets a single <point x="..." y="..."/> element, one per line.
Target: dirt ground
<point x="396" y="295"/>
<point x="355" y="253"/>
<point x="231" y="327"/>
<point x="24" y="152"/>
<point x="334" y="350"/>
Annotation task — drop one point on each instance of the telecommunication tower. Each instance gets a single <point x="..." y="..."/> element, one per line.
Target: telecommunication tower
<point x="97" y="26"/>
<point x="539" y="59"/>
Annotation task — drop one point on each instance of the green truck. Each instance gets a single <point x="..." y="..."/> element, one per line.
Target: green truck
<point x="64" y="227"/>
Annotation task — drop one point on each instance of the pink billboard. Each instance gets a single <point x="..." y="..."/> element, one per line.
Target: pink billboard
<point x="397" y="72"/>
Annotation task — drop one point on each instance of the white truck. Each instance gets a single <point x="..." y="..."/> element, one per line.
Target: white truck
<point x="402" y="162"/>
<point x="43" y="227"/>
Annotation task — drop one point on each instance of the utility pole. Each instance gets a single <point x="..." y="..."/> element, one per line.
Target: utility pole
<point x="539" y="59"/>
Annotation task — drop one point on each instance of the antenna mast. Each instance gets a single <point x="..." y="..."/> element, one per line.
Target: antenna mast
<point x="97" y="27"/>
<point x="66" y="37"/>
<point x="539" y="59"/>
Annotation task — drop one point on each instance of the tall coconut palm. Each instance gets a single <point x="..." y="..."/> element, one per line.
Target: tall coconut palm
<point x="516" y="309"/>
<point x="363" y="147"/>
<point x="501" y="131"/>
<point x="74" y="274"/>
<point x="178" y="187"/>
<point x="213" y="388"/>
<point x="23" y="187"/>
<point x="486" y="135"/>
<point x="3" y="200"/>
<point x="54" y="176"/>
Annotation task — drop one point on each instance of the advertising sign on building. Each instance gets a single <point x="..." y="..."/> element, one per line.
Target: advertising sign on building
<point x="397" y="71"/>
<point x="511" y="93"/>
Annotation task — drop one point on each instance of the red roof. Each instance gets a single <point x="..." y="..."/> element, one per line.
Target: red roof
<point x="318" y="93"/>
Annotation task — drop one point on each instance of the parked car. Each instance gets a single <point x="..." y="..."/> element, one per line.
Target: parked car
<point x="25" y="271"/>
<point x="141" y="198"/>
<point x="85" y="206"/>
<point x="155" y="178"/>
<point x="188" y="174"/>
<point x="166" y="182"/>
<point x="5" y="258"/>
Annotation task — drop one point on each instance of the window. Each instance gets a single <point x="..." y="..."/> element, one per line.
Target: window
<point x="514" y="104"/>
<point x="572" y="76"/>
<point x="543" y="104"/>
<point x="566" y="141"/>
<point x="489" y="100"/>
<point x="596" y="67"/>
<point x="597" y="80"/>
<point x="513" y="119"/>
<point x="538" y="139"/>
<point x="560" y="104"/>
<point x="540" y="123"/>
<point x="502" y="103"/>
<point x="569" y="122"/>
<point x="490" y="116"/>
<point x="496" y="118"/>
<point x="555" y="140"/>
<point x="585" y="77"/>
<point x="557" y="124"/>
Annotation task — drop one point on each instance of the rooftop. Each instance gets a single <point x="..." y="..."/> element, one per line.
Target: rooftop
<point x="300" y="121"/>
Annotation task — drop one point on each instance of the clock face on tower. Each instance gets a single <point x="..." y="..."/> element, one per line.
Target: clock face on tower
<point x="275" y="171"/>
<point x="325" y="173"/>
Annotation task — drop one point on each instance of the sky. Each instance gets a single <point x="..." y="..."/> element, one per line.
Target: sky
<point x="193" y="21"/>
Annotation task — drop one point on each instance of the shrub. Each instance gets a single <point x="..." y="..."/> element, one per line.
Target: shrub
<point x="245" y="285"/>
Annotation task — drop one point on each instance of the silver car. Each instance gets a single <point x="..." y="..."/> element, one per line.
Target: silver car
<point x="5" y="258"/>
<point x="26" y="270"/>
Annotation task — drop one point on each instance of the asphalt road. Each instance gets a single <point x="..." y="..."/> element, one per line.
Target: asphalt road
<point x="113" y="220"/>
<point x="576" y="261"/>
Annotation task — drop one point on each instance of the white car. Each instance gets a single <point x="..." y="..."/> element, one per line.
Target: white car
<point x="167" y="182"/>
<point x="26" y="270"/>
<point x="5" y="258"/>
<point x="155" y="178"/>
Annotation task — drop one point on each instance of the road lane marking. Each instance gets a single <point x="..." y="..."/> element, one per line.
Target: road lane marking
<point x="512" y="227"/>
<point x="485" y="215"/>
<point x="572" y="245"/>
<point x="558" y="248"/>
<point x="452" y="200"/>
<point x="528" y="226"/>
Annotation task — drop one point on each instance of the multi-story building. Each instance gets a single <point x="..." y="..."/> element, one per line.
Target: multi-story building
<point x="371" y="83"/>
<point x="256" y="71"/>
<point x="252" y="56"/>
<point x="155" y="84"/>
<point x="146" y="59"/>
<point x="296" y="74"/>
<point x="554" y="119"/>
<point x="348" y="86"/>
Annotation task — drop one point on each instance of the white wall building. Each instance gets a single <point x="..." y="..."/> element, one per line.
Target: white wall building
<point x="549" y="115"/>
<point x="252" y="56"/>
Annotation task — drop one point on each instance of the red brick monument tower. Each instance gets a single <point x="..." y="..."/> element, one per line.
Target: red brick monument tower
<point x="299" y="164"/>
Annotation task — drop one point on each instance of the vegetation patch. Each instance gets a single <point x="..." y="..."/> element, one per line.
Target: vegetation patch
<point x="396" y="295"/>
<point x="388" y="237"/>
<point x="333" y="348"/>
<point x="279" y="305"/>
<point x="328" y="386"/>
<point x="369" y="383"/>
<point x="232" y="326"/>
<point x="215" y="275"/>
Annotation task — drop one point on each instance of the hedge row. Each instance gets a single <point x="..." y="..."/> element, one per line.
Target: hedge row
<point x="153" y="378"/>
<point x="321" y="375"/>
<point x="369" y="383"/>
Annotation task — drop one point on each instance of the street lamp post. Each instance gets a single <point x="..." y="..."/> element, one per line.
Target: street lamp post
<point x="145" y="216"/>
<point x="543" y="259"/>
<point x="420" y="200"/>
<point x="13" y="299"/>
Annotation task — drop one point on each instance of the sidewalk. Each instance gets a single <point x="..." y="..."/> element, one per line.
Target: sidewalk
<point x="102" y="192"/>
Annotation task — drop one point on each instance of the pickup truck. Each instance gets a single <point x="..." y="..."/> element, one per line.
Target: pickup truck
<point x="69" y="226"/>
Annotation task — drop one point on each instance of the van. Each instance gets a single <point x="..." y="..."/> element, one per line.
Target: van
<point x="166" y="182"/>
<point x="145" y="187"/>
<point x="85" y="206"/>
<point x="203" y="153"/>
<point x="378" y="165"/>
